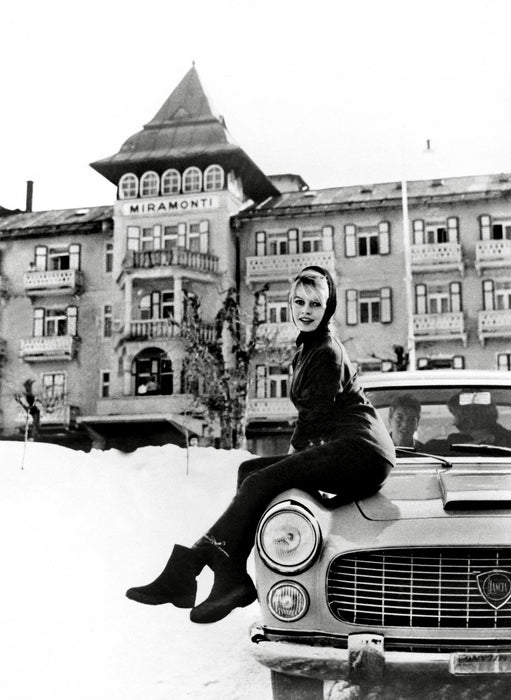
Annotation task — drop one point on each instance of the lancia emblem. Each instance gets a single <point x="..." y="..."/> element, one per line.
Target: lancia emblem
<point x="495" y="587"/>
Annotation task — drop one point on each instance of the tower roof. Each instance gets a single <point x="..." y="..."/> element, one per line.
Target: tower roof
<point x="186" y="131"/>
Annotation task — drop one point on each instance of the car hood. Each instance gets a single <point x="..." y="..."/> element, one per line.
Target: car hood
<point x="473" y="486"/>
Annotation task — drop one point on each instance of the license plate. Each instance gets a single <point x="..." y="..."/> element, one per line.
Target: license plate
<point x="485" y="662"/>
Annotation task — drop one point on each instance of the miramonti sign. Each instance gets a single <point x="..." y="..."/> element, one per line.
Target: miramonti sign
<point x="171" y="205"/>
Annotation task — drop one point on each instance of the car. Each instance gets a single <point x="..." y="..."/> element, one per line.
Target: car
<point x="411" y="587"/>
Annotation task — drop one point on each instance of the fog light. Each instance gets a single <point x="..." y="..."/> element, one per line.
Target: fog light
<point x="288" y="601"/>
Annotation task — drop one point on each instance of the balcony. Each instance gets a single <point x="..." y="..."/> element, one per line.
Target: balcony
<point x="277" y="333"/>
<point x="492" y="254"/>
<point x="49" y="348"/>
<point x="143" y="405"/>
<point x="162" y="329"/>
<point x="271" y="409"/>
<point x="433" y="327"/>
<point x="171" y="257"/>
<point x="494" y="324"/>
<point x="436" y="257"/>
<point x="59" y="416"/>
<point x="52" y="282"/>
<point x="268" y="268"/>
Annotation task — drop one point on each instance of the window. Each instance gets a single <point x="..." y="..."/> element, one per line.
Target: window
<point x="277" y="311"/>
<point x="496" y="295"/>
<point x="192" y="180"/>
<point x="441" y="362"/>
<point x="128" y="186"/>
<point x="167" y="304"/>
<point x="153" y="372"/>
<point x="433" y="232"/>
<point x="147" y="239"/>
<point x="494" y="229"/>
<point x="194" y="238"/>
<point x="367" y="240"/>
<point x="213" y="178"/>
<point x="53" y="322"/>
<point x="278" y="244"/>
<point x="170" y="237"/>
<point x="105" y="383"/>
<point x="278" y="381"/>
<point x="53" y="390"/>
<point x="312" y="242"/>
<point x="107" y="321"/>
<point x="156" y="305"/>
<point x="149" y="184"/>
<point x="438" y="299"/>
<point x="368" y="306"/>
<point x="109" y="257"/>
<point x="58" y="258"/>
<point x="504" y="361"/>
<point x="171" y="182"/>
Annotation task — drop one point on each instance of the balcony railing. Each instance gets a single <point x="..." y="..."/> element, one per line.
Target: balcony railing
<point x="156" y="404"/>
<point x="435" y="257"/>
<point x="278" y="333"/>
<point x="271" y="409"/>
<point x="494" y="324"/>
<point x="47" y="348"/>
<point x="432" y="327"/>
<point x="161" y="329"/>
<point x="171" y="257"/>
<point x="38" y="282"/>
<point x="62" y="415"/>
<point x="492" y="254"/>
<point x="265" y="268"/>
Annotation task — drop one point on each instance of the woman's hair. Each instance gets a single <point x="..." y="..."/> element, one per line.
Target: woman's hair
<point x="311" y="282"/>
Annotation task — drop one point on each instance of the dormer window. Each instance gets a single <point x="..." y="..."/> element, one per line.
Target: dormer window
<point x="149" y="184"/>
<point x="128" y="186"/>
<point x="171" y="182"/>
<point x="213" y="178"/>
<point x="192" y="180"/>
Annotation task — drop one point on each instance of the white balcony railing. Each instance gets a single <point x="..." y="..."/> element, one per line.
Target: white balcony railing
<point x="264" y="268"/>
<point x="492" y="254"/>
<point x="52" y="282"/>
<point x="278" y="333"/>
<point x="431" y="327"/>
<point x="276" y="409"/>
<point x="436" y="256"/>
<point x="58" y="347"/>
<point x="494" y="324"/>
<point x="161" y="329"/>
<point x="64" y="415"/>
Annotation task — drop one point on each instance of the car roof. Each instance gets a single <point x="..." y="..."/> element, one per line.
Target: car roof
<point x="442" y="377"/>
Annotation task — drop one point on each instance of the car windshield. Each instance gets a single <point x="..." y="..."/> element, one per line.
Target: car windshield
<point x="434" y="418"/>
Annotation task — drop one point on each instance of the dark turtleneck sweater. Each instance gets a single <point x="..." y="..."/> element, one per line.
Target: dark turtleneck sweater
<point x="330" y="401"/>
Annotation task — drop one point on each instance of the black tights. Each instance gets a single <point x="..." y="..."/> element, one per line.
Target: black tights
<point x="343" y="467"/>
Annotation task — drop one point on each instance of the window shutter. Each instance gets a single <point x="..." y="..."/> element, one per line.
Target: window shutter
<point x="485" y="227"/>
<point x="488" y="297"/>
<point x="421" y="298"/>
<point x="181" y="235"/>
<point x="455" y="294"/>
<point x="260" y="243"/>
<point x="384" y="237"/>
<point x="204" y="236"/>
<point x="41" y="257"/>
<point x="74" y="256"/>
<point x="350" y="232"/>
<point x="292" y="241"/>
<point x="38" y="323"/>
<point x="155" y="305"/>
<point x="418" y="232"/>
<point x="452" y="229"/>
<point x="261" y="381"/>
<point x="157" y="237"/>
<point x="133" y="233"/>
<point x="503" y="361"/>
<point x="351" y="307"/>
<point x="458" y="362"/>
<point x="72" y="320"/>
<point x="386" y="305"/>
<point x="328" y="238"/>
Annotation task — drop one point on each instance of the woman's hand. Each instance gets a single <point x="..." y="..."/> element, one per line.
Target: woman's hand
<point x="291" y="450"/>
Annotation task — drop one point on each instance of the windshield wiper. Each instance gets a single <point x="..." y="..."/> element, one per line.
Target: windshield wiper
<point x="494" y="450"/>
<point x="412" y="452"/>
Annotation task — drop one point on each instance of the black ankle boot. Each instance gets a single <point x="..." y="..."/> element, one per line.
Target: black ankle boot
<point x="232" y="588"/>
<point x="176" y="584"/>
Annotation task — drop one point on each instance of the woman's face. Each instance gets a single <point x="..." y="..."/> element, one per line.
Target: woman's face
<point x="307" y="307"/>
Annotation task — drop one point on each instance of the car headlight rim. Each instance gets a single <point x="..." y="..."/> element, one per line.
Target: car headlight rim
<point x="298" y="522"/>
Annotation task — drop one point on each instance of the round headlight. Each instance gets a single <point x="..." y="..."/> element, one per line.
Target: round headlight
<point x="288" y="538"/>
<point x="288" y="601"/>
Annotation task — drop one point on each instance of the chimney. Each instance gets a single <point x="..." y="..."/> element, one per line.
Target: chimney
<point x="30" y="192"/>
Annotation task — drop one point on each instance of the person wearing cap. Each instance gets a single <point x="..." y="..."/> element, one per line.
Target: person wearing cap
<point x="339" y="445"/>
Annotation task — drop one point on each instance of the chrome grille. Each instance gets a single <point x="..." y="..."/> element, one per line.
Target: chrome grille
<point x="427" y="587"/>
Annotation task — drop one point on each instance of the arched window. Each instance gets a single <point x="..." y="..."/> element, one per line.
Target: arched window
<point x="213" y="178"/>
<point x="153" y="373"/>
<point x="149" y="184"/>
<point x="192" y="180"/>
<point x="128" y="186"/>
<point x="171" y="182"/>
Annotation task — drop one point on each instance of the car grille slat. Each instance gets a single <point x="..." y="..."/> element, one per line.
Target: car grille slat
<point x="429" y="587"/>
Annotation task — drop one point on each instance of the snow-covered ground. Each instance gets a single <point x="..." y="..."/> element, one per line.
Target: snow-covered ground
<point x="77" y="530"/>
